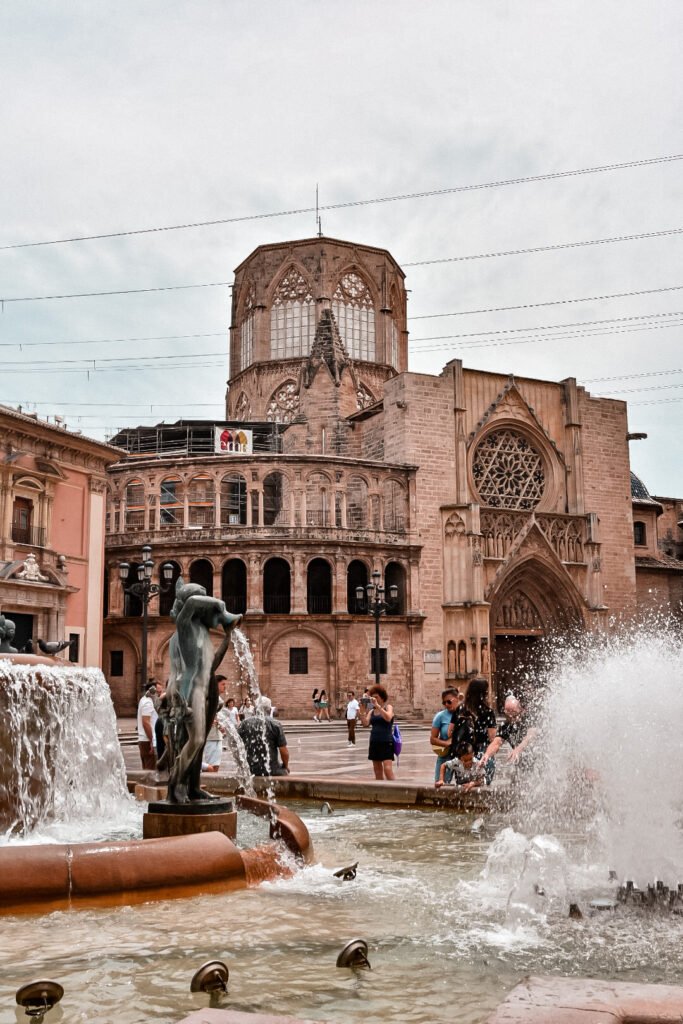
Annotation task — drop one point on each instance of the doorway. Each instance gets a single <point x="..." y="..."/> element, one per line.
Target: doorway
<point x="516" y="665"/>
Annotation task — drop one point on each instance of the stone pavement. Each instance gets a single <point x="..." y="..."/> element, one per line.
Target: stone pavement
<point x="320" y="750"/>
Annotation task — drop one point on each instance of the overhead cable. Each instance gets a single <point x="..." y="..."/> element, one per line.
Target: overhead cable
<point x="551" y="176"/>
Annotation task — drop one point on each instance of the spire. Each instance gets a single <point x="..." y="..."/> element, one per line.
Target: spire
<point x="327" y="348"/>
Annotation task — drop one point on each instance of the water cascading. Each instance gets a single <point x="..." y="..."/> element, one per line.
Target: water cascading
<point x="60" y="760"/>
<point x="609" y="756"/>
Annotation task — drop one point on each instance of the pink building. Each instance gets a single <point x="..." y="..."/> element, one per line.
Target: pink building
<point x="52" y="506"/>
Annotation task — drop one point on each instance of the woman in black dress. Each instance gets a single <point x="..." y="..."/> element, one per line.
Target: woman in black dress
<point x="475" y="722"/>
<point x="380" y="717"/>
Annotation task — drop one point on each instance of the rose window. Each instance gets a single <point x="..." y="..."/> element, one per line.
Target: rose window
<point x="284" y="405"/>
<point x="508" y="471"/>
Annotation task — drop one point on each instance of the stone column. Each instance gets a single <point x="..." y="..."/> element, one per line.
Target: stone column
<point x="339" y="586"/>
<point x="298" y="587"/>
<point x="254" y="585"/>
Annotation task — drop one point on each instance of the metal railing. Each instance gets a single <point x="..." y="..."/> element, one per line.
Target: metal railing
<point x="31" y="536"/>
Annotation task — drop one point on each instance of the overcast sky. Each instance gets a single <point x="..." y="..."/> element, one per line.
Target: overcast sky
<point x="130" y="115"/>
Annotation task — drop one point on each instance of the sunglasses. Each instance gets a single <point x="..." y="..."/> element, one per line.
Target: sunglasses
<point x="451" y="701"/>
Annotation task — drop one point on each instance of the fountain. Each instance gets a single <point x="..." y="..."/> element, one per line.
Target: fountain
<point x="62" y="778"/>
<point x="453" y="911"/>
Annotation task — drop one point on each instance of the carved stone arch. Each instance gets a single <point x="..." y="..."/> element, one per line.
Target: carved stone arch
<point x="293" y="631"/>
<point x="492" y="452"/>
<point x="355" y="268"/>
<point x="548" y="586"/>
<point x="292" y="265"/>
<point x="533" y="598"/>
<point x="246" y="300"/>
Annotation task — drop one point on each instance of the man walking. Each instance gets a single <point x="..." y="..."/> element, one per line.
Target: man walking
<point x="352" y="708"/>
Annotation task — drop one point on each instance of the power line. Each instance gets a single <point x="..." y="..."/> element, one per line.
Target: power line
<point x="552" y="176"/>
<point x="424" y="316"/>
<point x="122" y="291"/>
<point x="551" y="302"/>
<point x="419" y="263"/>
<point x="553" y="327"/>
<point x="545" y="248"/>
<point x="631" y="376"/>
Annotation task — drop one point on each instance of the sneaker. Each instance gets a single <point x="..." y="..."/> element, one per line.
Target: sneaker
<point x="350" y="744"/>
<point x="315" y="719"/>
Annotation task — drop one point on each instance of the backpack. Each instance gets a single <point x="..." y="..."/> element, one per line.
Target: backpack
<point x="397" y="738"/>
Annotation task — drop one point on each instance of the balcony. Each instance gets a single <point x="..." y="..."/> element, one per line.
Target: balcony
<point x="30" y="536"/>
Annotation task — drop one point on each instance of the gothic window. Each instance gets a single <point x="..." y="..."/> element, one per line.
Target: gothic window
<point x="243" y="408"/>
<point x="292" y="317"/>
<point x="364" y="396"/>
<point x="354" y="312"/>
<point x="393" y="346"/>
<point x="247" y="332"/>
<point x="284" y="404"/>
<point x="508" y="471"/>
<point x="395" y="507"/>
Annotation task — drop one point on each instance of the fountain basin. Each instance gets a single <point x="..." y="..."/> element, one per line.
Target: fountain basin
<point x="53" y="876"/>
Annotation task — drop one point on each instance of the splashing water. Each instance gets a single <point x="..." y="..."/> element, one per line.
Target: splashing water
<point x="61" y="766"/>
<point x="248" y="672"/>
<point x="240" y="643"/>
<point x="611" y="758"/>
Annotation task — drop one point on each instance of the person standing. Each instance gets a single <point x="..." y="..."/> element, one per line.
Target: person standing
<point x="316" y="705"/>
<point x="231" y="711"/>
<point x="352" y="709"/>
<point x="380" y="717"/>
<point x="264" y="741"/>
<point x="450" y="698"/>
<point x="146" y="720"/>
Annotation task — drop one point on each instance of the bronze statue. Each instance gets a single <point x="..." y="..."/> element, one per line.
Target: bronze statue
<point x="7" y="631"/>
<point x="192" y="692"/>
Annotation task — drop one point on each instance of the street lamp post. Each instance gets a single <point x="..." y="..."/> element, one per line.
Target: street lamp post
<point x="371" y="600"/>
<point x="144" y="589"/>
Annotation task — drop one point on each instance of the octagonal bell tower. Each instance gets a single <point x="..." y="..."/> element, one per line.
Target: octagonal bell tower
<point x="318" y="326"/>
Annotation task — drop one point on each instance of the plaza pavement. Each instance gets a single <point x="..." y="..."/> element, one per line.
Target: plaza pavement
<point x="321" y="751"/>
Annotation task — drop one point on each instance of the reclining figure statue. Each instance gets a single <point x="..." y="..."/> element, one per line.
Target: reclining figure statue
<point x="192" y="693"/>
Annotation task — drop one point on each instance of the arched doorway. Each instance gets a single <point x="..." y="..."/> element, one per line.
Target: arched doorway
<point x="534" y="600"/>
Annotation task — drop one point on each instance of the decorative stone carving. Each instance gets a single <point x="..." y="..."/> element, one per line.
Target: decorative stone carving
<point x="243" y="407"/>
<point x="31" y="571"/>
<point x="565" y="534"/>
<point x="518" y="612"/>
<point x="508" y="470"/>
<point x="455" y="526"/>
<point x="364" y="396"/>
<point x="284" y="404"/>
<point x="476" y="553"/>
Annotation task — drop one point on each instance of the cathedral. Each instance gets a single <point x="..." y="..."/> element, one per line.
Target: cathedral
<point x="492" y="510"/>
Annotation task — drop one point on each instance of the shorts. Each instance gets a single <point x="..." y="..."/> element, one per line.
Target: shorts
<point x="381" y="750"/>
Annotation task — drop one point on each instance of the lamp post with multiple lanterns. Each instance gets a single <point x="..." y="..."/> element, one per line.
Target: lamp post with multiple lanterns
<point x="145" y="590"/>
<point x="370" y="599"/>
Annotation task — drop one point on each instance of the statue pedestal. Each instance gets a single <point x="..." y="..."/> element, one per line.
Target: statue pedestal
<point x="164" y="819"/>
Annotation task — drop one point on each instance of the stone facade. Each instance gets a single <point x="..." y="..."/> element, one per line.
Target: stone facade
<point x="52" y="506"/>
<point x="500" y="507"/>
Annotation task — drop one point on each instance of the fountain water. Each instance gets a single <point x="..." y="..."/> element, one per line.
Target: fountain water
<point x="612" y="756"/>
<point x="60" y="761"/>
